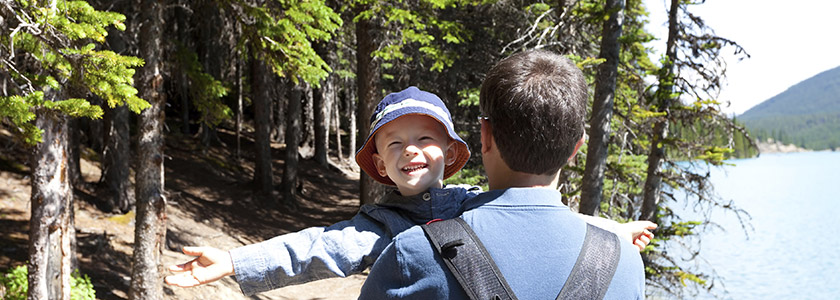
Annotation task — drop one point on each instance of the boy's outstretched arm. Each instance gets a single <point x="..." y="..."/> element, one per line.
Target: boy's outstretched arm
<point x="211" y="264"/>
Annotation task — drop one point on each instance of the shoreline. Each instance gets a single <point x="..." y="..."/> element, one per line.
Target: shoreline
<point x="771" y="146"/>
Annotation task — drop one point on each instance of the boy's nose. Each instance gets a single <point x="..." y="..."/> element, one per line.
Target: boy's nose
<point x="412" y="150"/>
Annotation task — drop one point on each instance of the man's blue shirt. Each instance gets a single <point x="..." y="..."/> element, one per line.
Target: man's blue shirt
<point x="533" y="238"/>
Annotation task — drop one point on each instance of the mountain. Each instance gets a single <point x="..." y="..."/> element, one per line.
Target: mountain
<point x="806" y="114"/>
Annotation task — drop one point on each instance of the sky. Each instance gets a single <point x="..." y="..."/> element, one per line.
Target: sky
<point x="788" y="41"/>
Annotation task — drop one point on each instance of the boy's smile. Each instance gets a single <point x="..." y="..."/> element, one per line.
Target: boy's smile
<point x="413" y="151"/>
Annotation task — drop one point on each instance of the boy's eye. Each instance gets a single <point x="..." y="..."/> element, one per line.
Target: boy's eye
<point x="425" y="138"/>
<point x="394" y="143"/>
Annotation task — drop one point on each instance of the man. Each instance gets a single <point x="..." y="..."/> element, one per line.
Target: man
<point x="533" y="106"/>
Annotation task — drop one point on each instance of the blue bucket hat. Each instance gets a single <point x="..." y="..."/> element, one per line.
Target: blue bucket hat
<point x="410" y="101"/>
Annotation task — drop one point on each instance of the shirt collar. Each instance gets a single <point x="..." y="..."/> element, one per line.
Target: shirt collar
<point x="517" y="197"/>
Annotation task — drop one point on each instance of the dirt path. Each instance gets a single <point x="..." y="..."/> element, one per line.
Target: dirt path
<point x="209" y="203"/>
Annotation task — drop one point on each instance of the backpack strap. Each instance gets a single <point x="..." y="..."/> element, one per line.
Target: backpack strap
<point x="468" y="260"/>
<point x="475" y="270"/>
<point x="595" y="266"/>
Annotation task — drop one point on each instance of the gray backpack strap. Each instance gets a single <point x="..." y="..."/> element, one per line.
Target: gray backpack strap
<point x="595" y="266"/>
<point x="468" y="260"/>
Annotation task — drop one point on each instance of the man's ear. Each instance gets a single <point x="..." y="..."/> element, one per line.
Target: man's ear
<point x="486" y="136"/>
<point x="380" y="165"/>
<point x="577" y="146"/>
<point x="451" y="152"/>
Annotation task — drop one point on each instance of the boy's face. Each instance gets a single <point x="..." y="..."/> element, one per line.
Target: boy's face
<point x="413" y="151"/>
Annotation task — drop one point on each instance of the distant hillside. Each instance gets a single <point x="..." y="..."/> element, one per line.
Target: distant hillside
<point x="806" y="114"/>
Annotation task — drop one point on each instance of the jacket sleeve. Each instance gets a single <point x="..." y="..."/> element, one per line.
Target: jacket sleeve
<point x="410" y="268"/>
<point x="603" y="223"/>
<point x="341" y="249"/>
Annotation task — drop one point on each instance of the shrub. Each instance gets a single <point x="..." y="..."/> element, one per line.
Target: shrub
<point x="15" y="283"/>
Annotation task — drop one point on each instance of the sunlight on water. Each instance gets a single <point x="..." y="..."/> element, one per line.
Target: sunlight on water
<point x="794" y="201"/>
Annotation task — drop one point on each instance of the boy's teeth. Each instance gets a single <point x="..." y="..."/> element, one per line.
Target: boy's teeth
<point x="413" y="168"/>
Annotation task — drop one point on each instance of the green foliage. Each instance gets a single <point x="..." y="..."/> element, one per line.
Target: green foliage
<point x="16" y="284"/>
<point x="283" y="35"/>
<point x="75" y="107"/>
<point x="80" y="287"/>
<point x="16" y="108"/>
<point x="585" y="62"/>
<point x="420" y="25"/>
<point x="45" y="56"/>
<point x="110" y="76"/>
<point x="470" y="177"/>
<point x="205" y="91"/>
<point x="81" y="21"/>
<point x="469" y="97"/>
<point x="683" y="276"/>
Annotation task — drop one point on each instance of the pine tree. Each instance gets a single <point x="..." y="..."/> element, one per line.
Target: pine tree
<point x="602" y="109"/>
<point x="51" y="64"/>
<point x="280" y="36"/>
<point x="150" y="226"/>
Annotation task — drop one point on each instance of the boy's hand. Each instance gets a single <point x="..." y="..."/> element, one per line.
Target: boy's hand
<point x="211" y="264"/>
<point x="638" y="231"/>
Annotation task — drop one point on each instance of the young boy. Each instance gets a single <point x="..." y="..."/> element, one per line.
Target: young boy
<point x="413" y="146"/>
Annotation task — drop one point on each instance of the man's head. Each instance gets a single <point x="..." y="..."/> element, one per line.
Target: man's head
<point x="412" y="143"/>
<point x="535" y="104"/>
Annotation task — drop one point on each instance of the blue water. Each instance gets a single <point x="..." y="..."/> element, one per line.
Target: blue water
<point x="794" y="250"/>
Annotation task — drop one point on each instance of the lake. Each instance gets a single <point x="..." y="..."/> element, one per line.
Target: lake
<point x="794" y="250"/>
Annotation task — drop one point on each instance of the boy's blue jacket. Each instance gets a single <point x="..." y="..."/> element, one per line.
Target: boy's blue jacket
<point x="345" y="248"/>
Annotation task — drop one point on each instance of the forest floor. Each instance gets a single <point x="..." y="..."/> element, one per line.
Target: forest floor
<point x="209" y="202"/>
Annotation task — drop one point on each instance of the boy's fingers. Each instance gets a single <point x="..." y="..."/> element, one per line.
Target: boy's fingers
<point x="193" y="251"/>
<point x="640" y="245"/>
<point x="180" y="267"/>
<point x="182" y="280"/>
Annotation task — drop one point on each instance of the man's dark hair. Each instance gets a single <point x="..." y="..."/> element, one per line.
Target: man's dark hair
<point x="536" y="104"/>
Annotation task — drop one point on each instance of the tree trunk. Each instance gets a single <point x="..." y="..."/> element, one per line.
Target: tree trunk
<point x="116" y="151"/>
<point x="51" y="229"/>
<point x="330" y="96"/>
<point x="323" y="98"/>
<point x="367" y="82"/>
<point x="73" y="152"/>
<point x="239" y="90"/>
<point x="263" y="175"/>
<point x="337" y="130"/>
<point x="116" y="167"/>
<point x="184" y="38"/>
<point x="150" y="225"/>
<point x="306" y="141"/>
<point x="351" y="116"/>
<point x="602" y="109"/>
<point x="96" y="133"/>
<point x="278" y="117"/>
<point x="211" y="50"/>
<point x="185" y="104"/>
<point x="293" y="133"/>
<point x="653" y="182"/>
<point x="321" y="122"/>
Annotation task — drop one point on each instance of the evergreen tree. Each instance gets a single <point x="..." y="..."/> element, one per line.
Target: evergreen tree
<point x="602" y="109"/>
<point x="679" y="102"/>
<point x="51" y="63"/>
